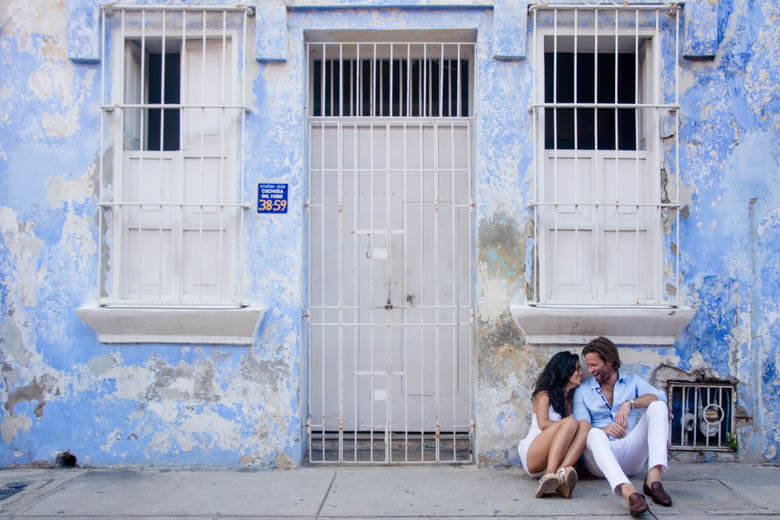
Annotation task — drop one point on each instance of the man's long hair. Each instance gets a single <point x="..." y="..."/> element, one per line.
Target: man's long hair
<point x="606" y="350"/>
<point x="553" y="379"/>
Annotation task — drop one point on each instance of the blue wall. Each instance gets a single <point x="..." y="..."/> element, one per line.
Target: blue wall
<point x="232" y="406"/>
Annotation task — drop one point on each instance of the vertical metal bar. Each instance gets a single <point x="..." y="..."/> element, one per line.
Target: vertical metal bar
<point x="436" y="282"/>
<point x="100" y="209"/>
<point x="355" y="269"/>
<point x="371" y="300"/>
<point x="696" y="399"/>
<point x="405" y="339"/>
<point x="179" y="239"/>
<point x="677" y="151"/>
<point x="374" y="87"/>
<point x="392" y="113"/>
<point x="459" y="108"/>
<point x="322" y="278"/>
<point x="310" y="262"/>
<point x="599" y="175"/>
<point x="637" y="113"/>
<point x="350" y="89"/>
<point x="441" y="80"/>
<point x="408" y="80"/>
<point x="161" y="162"/>
<point x="617" y="155"/>
<point x="322" y="82"/>
<point x="223" y="101"/>
<point x="657" y="292"/>
<point x="455" y="286"/>
<point x="201" y="207"/>
<point x="143" y="141"/>
<point x="704" y="422"/>
<point x="539" y="161"/>
<point x="341" y="81"/>
<point x="470" y="249"/>
<point x="424" y="74"/>
<point x="242" y="171"/>
<point x="722" y="417"/>
<point x="576" y="170"/>
<point x="388" y="274"/>
<point x="380" y="87"/>
<point x="556" y="172"/>
<point x="358" y="81"/>
<point x="340" y="217"/>
<point x="332" y="100"/>
<point x="422" y="287"/>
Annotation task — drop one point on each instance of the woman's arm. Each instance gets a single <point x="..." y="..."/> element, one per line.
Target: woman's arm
<point x="541" y="405"/>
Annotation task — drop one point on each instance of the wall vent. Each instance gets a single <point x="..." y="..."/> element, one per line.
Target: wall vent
<point x="701" y="417"/>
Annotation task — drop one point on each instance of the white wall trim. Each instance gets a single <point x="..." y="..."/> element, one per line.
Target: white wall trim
<point x="236" y="326"/>
<point x="623" y="325"/>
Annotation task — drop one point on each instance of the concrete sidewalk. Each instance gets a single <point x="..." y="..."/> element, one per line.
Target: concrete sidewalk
<point x="699" y="491"/>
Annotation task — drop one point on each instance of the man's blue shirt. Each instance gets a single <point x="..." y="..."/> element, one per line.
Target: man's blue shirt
<point x="591" y="405"/>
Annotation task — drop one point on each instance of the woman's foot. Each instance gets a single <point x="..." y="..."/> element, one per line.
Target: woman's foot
<point x="548" y="484"/>
<point x="568" y="478"/>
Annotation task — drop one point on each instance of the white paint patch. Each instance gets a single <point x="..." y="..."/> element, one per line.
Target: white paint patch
<point x="111" y="439"/>
<point x="61" y="125"/>
<point x="647" y="357"/>
<point x="12" y="425"/>
<point x="771" y="219"/>
<point x="77" y="239"/>
<point x="24" y="248"/>
<point x="51" y="80"/>
<point x="225" y="433"/>
<point x="60" y="190"/>
<point x="493" y="298"/>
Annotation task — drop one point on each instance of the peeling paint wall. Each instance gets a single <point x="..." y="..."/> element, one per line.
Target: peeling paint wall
<point x="233" y="406"/>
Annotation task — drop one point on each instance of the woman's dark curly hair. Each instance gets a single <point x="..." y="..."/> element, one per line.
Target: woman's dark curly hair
<point x="553" y="380"/>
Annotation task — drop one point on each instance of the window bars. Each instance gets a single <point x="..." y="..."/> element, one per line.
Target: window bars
<point x="171" y="201"/>
<point x="606" y="119"/>
<point x="701" y="416"/>
<point x="390" y="304"/>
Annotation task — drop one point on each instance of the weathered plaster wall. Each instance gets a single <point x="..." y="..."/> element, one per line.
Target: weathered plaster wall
<point x="165" y="405"/>
<point x="172" y="405"/>
<point x="730" y="137"/>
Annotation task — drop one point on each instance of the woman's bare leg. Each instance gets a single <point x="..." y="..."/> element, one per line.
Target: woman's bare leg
<point x="577" y="445"/>
<point x="548" y="449"/>
<point x="560" y="444"/>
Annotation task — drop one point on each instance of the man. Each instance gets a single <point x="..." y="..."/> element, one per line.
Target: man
<point x="621" y="441"/>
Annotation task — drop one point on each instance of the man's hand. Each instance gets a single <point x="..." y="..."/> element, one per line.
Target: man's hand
<point x="615" y="430"/>
<point x="621" y="417"/>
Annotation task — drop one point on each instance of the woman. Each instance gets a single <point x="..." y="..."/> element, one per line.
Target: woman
<point x="555" y="440"/>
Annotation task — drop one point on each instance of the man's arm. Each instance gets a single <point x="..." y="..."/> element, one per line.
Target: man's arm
<point x="646" y="393"/>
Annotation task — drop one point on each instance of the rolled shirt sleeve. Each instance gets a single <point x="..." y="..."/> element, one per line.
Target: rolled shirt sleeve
<point x="643" y="387"/>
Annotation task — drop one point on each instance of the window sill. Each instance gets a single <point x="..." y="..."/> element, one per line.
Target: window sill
<point x="233" y="326"/>
<point x="623" y="325"/>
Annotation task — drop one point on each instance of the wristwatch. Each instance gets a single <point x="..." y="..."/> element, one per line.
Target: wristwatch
<point x="631" y="402"/>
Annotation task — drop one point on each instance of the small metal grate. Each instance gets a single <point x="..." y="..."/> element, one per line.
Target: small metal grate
<point x="11" y="489"/>
<point x="702" y="416"/>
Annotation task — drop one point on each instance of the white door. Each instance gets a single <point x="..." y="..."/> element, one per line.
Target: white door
<point x="390" y="250"/>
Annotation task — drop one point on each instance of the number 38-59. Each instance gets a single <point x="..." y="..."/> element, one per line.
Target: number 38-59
<point x="273" y="205"/>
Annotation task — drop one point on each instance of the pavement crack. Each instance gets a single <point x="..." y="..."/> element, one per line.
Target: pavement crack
<point x="324" y="498"/>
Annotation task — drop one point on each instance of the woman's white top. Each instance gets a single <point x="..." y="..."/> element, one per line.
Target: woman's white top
<point x="522" y="448"/>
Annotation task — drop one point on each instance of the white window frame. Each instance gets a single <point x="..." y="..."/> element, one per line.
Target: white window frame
<point x="554" y="314"/>
<point x="180" y="310"/>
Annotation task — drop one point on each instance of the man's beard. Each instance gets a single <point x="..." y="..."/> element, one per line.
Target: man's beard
<point x="602" y="375"/>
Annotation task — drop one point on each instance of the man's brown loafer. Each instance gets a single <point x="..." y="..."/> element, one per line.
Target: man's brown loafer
<point x="637" y="505"/>
<point x="658" y="494"/>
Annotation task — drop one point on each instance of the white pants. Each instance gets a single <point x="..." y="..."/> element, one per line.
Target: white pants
<point x="643" y="447"/>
